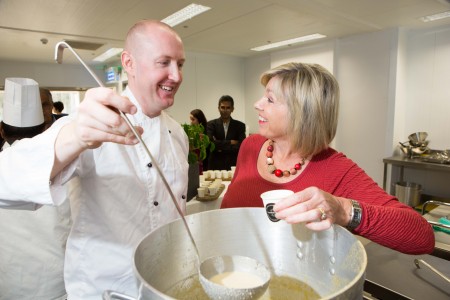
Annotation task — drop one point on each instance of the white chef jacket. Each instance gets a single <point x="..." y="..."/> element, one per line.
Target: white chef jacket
<point x="32" y="246"/>
<point x="25" y="171"/>
<point x="117" y="197"/>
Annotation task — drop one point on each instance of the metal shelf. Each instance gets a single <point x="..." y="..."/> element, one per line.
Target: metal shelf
<point x="415" y="163"/>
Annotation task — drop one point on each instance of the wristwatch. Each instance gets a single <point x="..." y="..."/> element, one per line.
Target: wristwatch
<point x="355" y="216"/>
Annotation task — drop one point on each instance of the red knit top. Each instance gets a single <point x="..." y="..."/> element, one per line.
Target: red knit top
<point x="385" y="220"/>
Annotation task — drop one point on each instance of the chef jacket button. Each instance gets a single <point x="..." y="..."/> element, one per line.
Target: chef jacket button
<point x="149" y="165"/>
<point x="170" y="131"/>
<point x="155" y="203"/>
<point x="183" y="197"/>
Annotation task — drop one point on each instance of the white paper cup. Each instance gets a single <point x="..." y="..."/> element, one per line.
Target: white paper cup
<point x="218" y="174"/>
<point x="224" y="174"/>
<point x="212" y="190"/>
<point x="201" y="191"/>
<point x="270" y="198"/>
<point x="233" y="168"/>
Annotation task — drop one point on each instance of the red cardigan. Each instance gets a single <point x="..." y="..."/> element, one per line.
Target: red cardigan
<point x="385" y="220"/>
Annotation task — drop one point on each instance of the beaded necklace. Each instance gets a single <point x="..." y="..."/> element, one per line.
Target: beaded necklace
<point x="278" y="172"/>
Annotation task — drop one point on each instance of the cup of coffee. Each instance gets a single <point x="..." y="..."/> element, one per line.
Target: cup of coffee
<point x="270" y="198"/>
<point x="201" y="191"/>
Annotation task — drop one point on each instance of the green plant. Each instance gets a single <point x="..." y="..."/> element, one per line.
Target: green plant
<point x="198" y="142"/>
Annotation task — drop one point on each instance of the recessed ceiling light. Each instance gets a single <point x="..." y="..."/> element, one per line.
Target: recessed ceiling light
<point x="289" y="42"/>
<point x="435" y="17"/>
<point x="184" y="14"/>
<point x="111" y="52"/>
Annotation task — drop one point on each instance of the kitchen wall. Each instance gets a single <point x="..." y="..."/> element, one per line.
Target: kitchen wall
<point x="362" y="65"/>
<point x="393" y="83"/>
<point x="49" y="75"/>
<point x="206" y="77"/>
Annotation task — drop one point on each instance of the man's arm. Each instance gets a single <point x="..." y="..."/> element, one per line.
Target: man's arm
<point x="26" y="170"/>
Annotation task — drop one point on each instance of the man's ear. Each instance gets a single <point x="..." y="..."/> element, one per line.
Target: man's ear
<point x="127" y="62"/>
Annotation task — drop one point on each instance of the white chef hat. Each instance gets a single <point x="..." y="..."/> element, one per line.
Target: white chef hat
<point x="22" y="105"/>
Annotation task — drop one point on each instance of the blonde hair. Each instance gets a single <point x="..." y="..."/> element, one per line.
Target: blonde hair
<point x="312" y="97"/>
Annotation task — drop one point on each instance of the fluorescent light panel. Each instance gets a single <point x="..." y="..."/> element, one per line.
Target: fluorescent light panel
<point x="111" y="52"/>
<point x="435" y="17"/>
<point x="176" y="18"/>
<point x="184" y="14"/>
<point x="289" y="42"/>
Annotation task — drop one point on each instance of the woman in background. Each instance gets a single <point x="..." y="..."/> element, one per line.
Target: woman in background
<point x="198" y="117"/>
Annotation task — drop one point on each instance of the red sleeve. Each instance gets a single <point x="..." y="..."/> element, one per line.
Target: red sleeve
<point x="385" y="220"/>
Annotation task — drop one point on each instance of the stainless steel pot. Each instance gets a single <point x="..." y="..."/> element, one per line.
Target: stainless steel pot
<point x="332" y="262"/>
<point x="408" y="193"/>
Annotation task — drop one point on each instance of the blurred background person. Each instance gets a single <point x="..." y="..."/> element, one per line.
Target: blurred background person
<point x="198" y="117"/>
<point x="32" y="242"/>
<point x="227" y="134"/>
<point x="47" y="107"/>
<point x="58" y="108"/>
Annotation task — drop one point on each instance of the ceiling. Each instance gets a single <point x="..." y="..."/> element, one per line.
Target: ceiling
<point x="231" y="27"/>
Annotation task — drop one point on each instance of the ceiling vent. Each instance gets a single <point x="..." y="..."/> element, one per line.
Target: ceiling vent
<point x="83" y="45"/>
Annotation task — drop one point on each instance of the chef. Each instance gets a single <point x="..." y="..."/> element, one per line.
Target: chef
<point x="116" y="194"/>
<point x="32" y="242"/>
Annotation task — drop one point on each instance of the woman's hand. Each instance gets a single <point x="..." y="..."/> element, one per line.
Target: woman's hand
<point x="314" y="207"/>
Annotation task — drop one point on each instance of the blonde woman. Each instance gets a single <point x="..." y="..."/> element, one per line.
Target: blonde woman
<point x="297" y="121"/>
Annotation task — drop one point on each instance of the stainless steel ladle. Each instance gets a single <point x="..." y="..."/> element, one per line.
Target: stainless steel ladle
<point x="249" y="264"/>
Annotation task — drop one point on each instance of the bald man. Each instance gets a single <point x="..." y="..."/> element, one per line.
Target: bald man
<point x="114" y="189"/>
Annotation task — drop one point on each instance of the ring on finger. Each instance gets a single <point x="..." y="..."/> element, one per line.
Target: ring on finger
<point x="323" y="215"/>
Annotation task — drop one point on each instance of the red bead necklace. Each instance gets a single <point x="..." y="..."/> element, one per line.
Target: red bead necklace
<point x="278" y="172"/>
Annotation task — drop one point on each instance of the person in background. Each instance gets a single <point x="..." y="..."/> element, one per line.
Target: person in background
<point x="227" y="134"/>
<point x="298" y="116"/>
<point x="198" y="117"/>
<point x="58" y="108"/>
<point x="47" y="106"/>
<point x="32" y="242"/>
<point x="116" y="193"/>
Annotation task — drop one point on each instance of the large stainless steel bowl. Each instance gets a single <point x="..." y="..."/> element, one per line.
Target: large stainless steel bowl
<point x="418" y="137"/>
<point x="331" y="262"/>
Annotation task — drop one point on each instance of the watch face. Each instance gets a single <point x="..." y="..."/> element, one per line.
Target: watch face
<point x="356" y="215"/>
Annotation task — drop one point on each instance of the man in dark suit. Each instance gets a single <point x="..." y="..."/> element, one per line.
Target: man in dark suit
<point x="227" y="135"/>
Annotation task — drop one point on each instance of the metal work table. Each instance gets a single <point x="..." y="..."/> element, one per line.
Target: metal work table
<point x="391" y="275"/>
<point x="415" y="163"/>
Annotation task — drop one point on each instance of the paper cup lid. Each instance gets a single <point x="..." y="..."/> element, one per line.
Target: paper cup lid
<point x="22" y="105"/>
